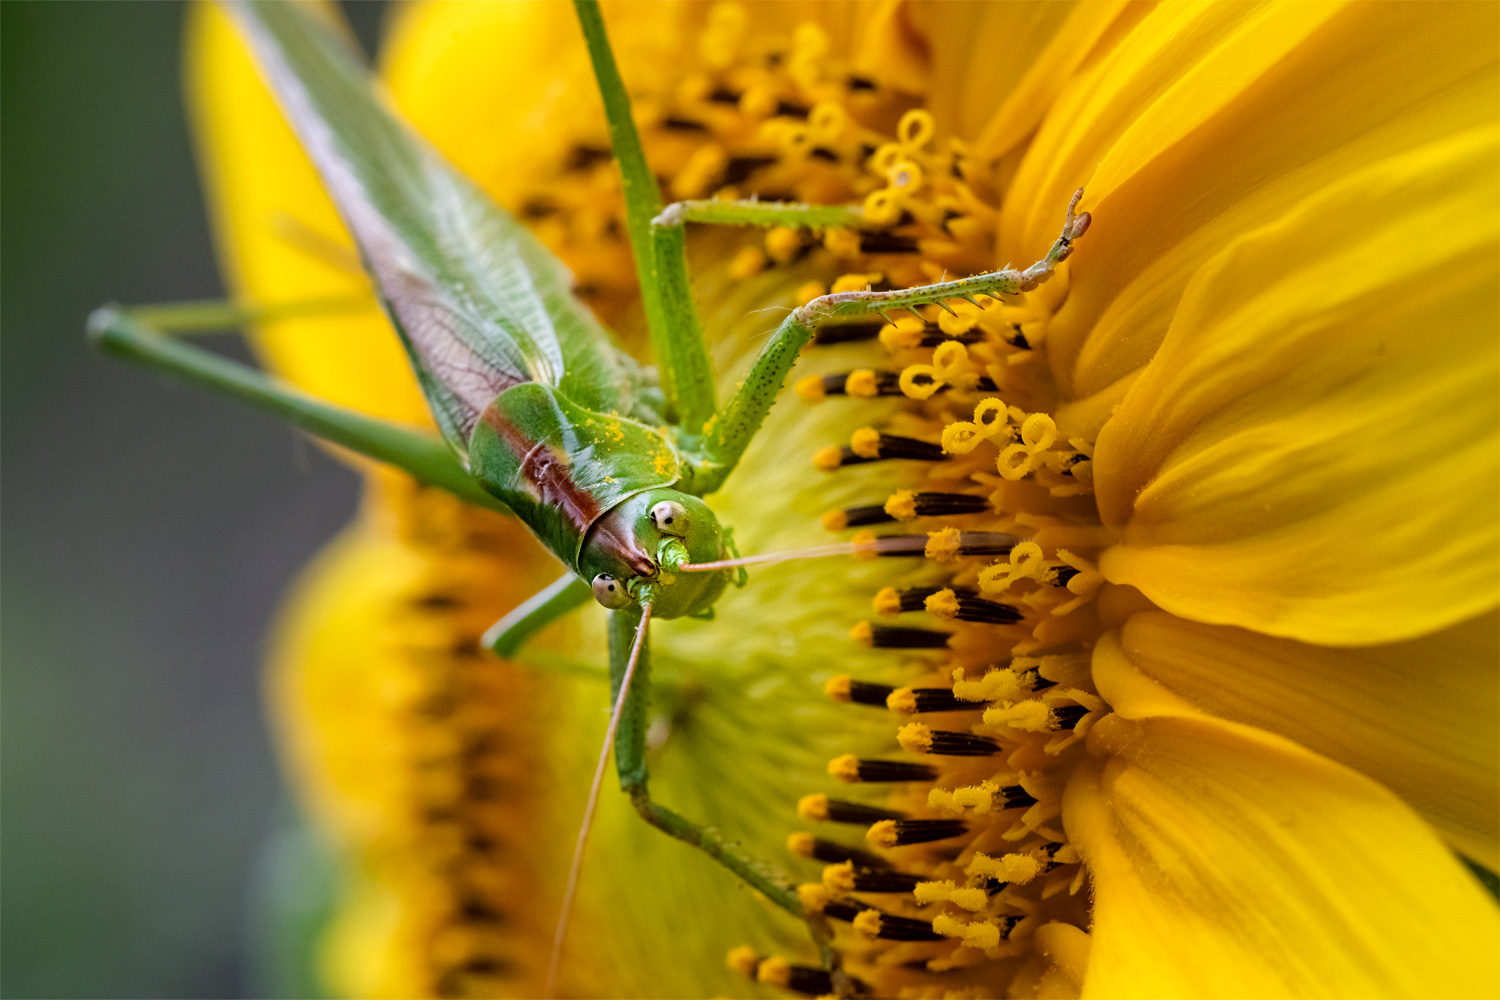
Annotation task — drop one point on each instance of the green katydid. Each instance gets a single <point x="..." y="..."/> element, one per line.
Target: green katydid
<point x="541" y="413"/>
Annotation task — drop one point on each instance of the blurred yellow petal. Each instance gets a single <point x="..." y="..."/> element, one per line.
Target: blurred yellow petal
<point x="1227" y="862"/>
<point x="1315" y="450"/>
<point x="280" y="239"/>
<point x="1209" y="118"/>
<point x="1421" y="717"/>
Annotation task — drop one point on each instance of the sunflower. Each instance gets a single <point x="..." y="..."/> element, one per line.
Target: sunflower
<point x="1194" y="689"/>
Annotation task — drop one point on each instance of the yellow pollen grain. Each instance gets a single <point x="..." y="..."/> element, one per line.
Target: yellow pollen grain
<point x="977" y="799"/>
<point x="814" y="807"/>
<point x="902" y="505"/>
<point x="867" y="922"/>
<point x="782" y="244"/>
<point x="957" y="324"/>
<point x="856" y="282"/>
<point x="845" y="768"/>
<point x="944" y="604"/>
<point x="971" y="899"/>
<point x="774" y="971"/>
<point x="812" y="896"/>
<point x="919" y="381"/>
<point x="915" y="737"/>
<point x="942" y="545"/>
<point x="837" y="687"/>
<point x="810" y="389"/>
<point x="1017" y="869"/>
<point x="1000" y="684"/>
<point x="882" y="834"/>
<point x="887" y="602"/>
<point x="840" y="877"/>
<point x="961" y="437"/>
<point x="743" y="960"/>
<point x="835" y="520"/>
<point x="1030" y="715"/>
<point x="842" y="242"/>
<point x="861" y="384"/>
<point x="865" y="442"/>
<point x="863" y="633"/>
<point x="811" y="290"/>
<point x="902" y="701"/>
<point x="801" y="843"/>
<point x="829" y="458"/>
<point x="747" y="263"/>
<point x="904" y="334"/>
<point x="978" y="934"/>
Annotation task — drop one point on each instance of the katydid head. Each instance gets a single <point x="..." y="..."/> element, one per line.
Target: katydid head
<point x="631" y="554"/>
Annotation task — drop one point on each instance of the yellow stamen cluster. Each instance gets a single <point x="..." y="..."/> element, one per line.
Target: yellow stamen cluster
<point x="1000" y="701"/>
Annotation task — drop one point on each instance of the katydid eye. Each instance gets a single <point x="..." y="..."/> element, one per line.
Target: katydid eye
<point x="670" y="518"/>
<point x="610" y="592"/>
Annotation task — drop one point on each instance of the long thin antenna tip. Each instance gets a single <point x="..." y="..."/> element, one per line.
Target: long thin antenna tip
<point x="818" y="552"/>
<point x="571" y="888"/>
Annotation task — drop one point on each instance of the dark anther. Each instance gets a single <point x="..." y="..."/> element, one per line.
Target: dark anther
<point x="1059" y="576"/>
<point x="437" y="602"/>
<point x="831" y="853"/>
<point x="856" y="517"/>
<point x="847" y="457"/>
<point x="1016" y="338"/>
<point x="537" y="208"/>
<point x="675" y="124"/>
<point x="1035" y="680"/>
<point x="787" y="109"/>
<point x="877" y="880"/>
<point x="840" y="811"/>
<point x="1016" y="797"/>
<point x="951" y="744"/>
<point x="1067" y="716"/>
<point x="936" y="699"/>
<point x="985" y="543"/>
<point x="902" y="637"/>
<point x="808" y="980"/>
<point x="845" y="909"/>
<point x="582" y="157"/>
<point x="977" y="609"/>
<point x="947" y="504"/>
<point x="933" y="335"/>
<point x="860" y="83"/>
<point x="723" y="95"/>
<point x="924" y="831"/>
<point x="887" y="383"/>
<point x="477" y="911"/>
<point x="886" y="243"/>
<point x="894" y="770"/>
<point x="739" y="168"/>
<point x="824" y="153"/>
<point x="831" y="333"/>
<point x="896" y="446"/>
<point x="986" y="384"/>
<point x="906" y="929"/>
<point x="863" y="693"/>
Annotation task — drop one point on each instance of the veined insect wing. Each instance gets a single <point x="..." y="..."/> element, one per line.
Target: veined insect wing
<point x="480" y="304"/>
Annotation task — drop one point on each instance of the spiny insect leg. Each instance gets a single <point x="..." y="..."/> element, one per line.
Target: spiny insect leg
<point x="795" y="214"/>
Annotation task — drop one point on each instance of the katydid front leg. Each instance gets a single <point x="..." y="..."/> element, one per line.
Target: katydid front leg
<point x="735" y="425"/>
<point x="127" y="334"/>
<point x="567" y="593"/>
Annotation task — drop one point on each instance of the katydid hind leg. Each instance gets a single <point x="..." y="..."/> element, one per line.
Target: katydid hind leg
<point x="557" y="599"/>
<point x="122" y="333"/>
<point x="738" y="420"/>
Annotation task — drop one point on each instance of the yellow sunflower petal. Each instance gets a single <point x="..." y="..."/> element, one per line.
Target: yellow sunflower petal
<point x="279" y="237"/>
<point x="1421" y="717"/>
<point x="1208" y="119"/>
<point x="1227" y="862"/>
<point x="1313" y="452"/>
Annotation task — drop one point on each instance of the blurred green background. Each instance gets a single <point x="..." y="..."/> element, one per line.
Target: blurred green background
<point x="148" y="532"/>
